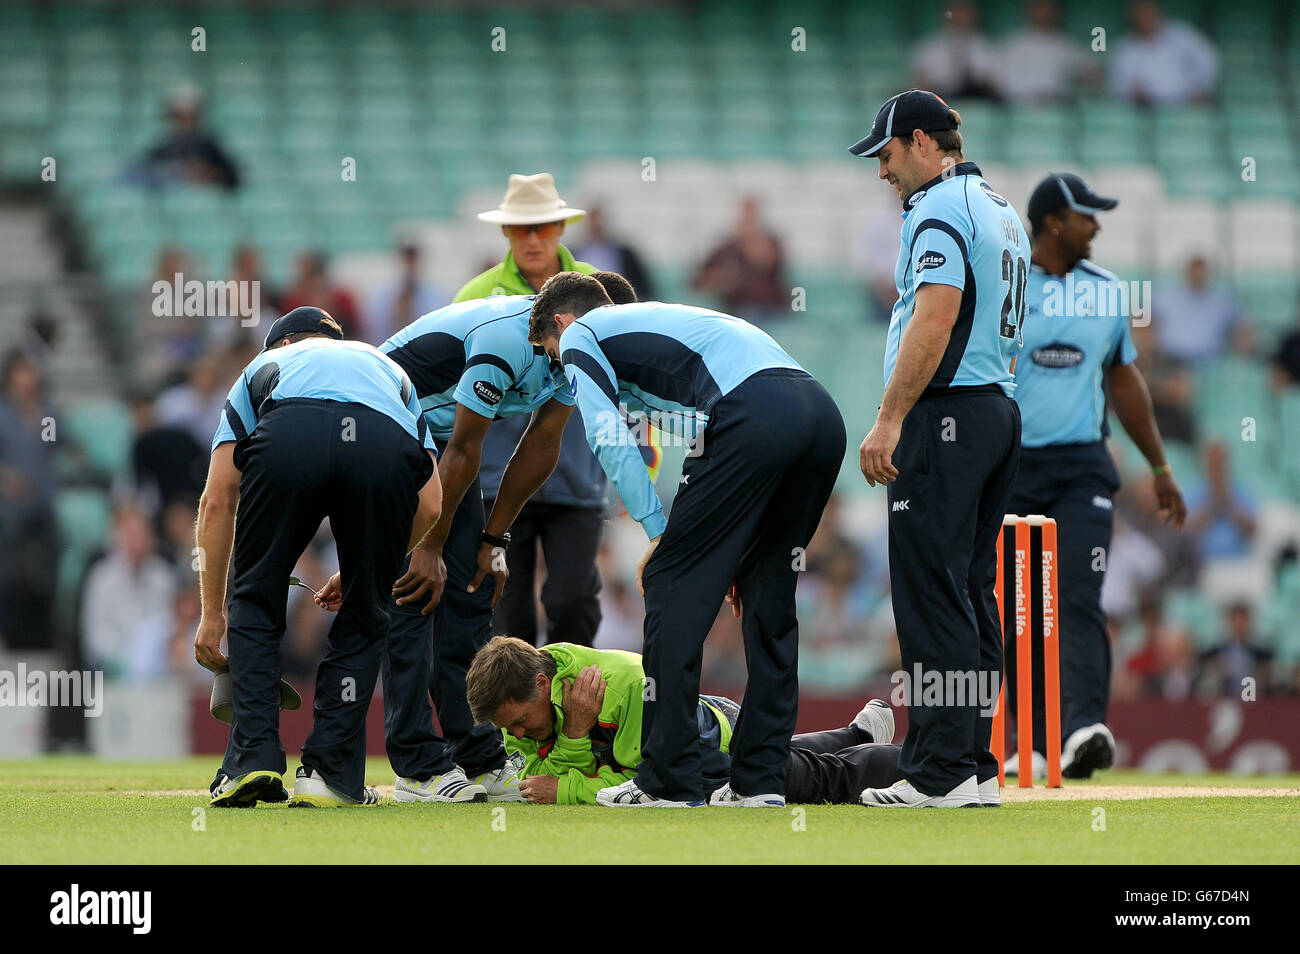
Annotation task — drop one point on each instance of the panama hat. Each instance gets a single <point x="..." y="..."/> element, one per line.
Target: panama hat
<point x="531" y="200"/>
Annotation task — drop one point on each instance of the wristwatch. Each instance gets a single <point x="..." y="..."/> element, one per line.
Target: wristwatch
<point x="502" y="541"/>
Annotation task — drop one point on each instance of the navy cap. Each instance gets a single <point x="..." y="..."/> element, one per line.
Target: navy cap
<point x="914" y="109"/>
<point x="302" y="319"/>
<point x="1062" y="190"/>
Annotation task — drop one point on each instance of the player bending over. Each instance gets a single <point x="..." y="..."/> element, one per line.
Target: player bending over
<point x="572" y="721"/>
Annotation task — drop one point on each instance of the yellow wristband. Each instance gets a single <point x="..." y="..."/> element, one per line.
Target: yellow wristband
<point x="1162" y="469"/>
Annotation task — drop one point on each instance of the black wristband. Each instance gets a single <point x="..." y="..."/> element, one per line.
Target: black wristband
<point x="502" y="541"/>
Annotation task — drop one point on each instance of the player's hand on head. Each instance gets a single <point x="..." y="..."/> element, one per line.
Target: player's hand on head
<point x="582" y="699"/>
<point x="876" y="455"/>
<point x="491" y="561"/>
<point x="330" y="596"/>
<point x="423" y="581"/>
<point x="207" y="644"/>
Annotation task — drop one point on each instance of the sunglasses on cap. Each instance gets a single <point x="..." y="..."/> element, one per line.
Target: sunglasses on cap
<point x="546" y="230"/>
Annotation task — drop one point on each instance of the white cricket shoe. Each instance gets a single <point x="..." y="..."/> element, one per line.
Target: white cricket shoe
<point x="877" y="720"/>
<point x="902" y="795"/>
<point x="629" y="795"/>
<point x="726" y="797"/>
<point x="451" y="786"/>
<point x="990" y="793"/>
<point x="310" y="791"/>
<point x="1011" y="768"/>
<point x="501" y="785"/>
<point x="1086" y="750"/>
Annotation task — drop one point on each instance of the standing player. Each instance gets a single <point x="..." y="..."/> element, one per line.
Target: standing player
<point x="768" y="443"/>
<point x="1077" y="348"/>
<point x="946" y="438"/>
<point x="471" y="364"/>
<point x="315" y="427"/>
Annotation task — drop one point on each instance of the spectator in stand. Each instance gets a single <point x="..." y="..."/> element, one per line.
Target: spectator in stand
<point x="1137" y="502"/>
<point x="314" y="288"/>
<point x="1239" y="656"/>
<point x="1165" y="666"/>
<point x="1172" y="386"/>
<point x="1284" y="366"/>
<point x="247" y="269"/>
<point x="166" y="461"/>
<point x="1133" y="564"/>
<point x="168" y="342"/>
<point x="1222" y="512"/>
<point x="957" y="61"/>
<point x="1040" y="63"/>
<point x="29" y="544"/>
<point x="397" y="302"/>
<point x="127" y="593"/>
<point x="1197" y="321"/>
<point x="1163" y="62"/>
<point x="189" y="153"/>
<point x="193" y="405"/>
<point x="877" y="256"/>
<point x="747" y="270"/>
<point x="609" y="254"/>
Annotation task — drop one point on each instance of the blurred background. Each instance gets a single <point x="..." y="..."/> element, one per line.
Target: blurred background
<point x="337" y="153"/>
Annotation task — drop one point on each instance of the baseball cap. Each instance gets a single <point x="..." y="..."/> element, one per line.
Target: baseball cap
<point x="914" y="109"/>
<point x="1062" y="190"/>
<point x="303" y="319"/>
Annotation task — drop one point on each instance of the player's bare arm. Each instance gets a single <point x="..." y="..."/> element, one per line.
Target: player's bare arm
<point x="215" y="537"/>
<point x="1132" y="403"/>
<point x="426" y="576"/>
<point x="919" y="352"/>
<point x="528" y="469"/>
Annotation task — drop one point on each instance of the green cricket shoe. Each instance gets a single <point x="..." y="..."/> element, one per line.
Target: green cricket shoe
<point x="247" y="790"/>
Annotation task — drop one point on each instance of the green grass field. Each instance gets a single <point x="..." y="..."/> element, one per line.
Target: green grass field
<point x="71" y="810"/>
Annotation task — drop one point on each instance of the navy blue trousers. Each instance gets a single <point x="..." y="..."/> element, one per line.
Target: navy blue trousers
<point x="303" y="463"/>
<point x="956" y="458"/>
<point x="749" y="501"/>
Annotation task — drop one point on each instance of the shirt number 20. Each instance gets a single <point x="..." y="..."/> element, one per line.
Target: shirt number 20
<point x="1015" y="272"/>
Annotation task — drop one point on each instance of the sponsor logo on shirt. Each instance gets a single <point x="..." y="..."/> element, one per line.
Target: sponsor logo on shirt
<point x="900" y="505"/>
<point x="487" y="392"/>
<point x="993" y="195"/>
<point x="1103" y="503"/>
<point x="1057" y="355"/>
<point x="930" y="260"/>
<point x="916" y="198"/>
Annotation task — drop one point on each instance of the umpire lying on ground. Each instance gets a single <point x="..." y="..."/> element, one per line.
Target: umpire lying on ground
<point x="572" y="721"/>
<point x="315" y="427"/>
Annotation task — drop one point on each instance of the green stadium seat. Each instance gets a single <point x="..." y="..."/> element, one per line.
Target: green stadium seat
<point x="103" y="431"/>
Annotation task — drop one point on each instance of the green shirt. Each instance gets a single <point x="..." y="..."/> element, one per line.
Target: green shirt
<point x="610" y="753"/>
<point x="505" y="279"/>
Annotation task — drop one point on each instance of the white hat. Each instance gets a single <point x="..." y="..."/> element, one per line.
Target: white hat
<point x="531" y="200"/>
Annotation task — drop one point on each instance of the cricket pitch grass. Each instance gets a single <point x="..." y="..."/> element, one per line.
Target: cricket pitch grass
<point x="75" y="810"/>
